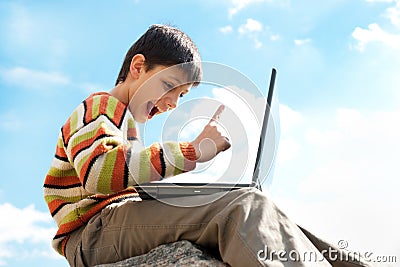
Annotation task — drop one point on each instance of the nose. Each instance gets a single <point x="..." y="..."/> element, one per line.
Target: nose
<point x="172" y="103"/>
<point x="167" y="103"/>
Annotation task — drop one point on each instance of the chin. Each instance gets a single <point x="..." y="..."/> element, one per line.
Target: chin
<point x="141" y="120"/>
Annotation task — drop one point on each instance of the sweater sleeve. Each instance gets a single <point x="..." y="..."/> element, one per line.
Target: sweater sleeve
<point x="160" y="161"/>
<point x="103" y="159"/>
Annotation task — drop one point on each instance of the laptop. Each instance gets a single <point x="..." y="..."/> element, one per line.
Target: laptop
<point x="158" y="190"/>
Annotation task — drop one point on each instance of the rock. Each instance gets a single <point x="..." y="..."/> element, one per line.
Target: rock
<point x="181" y="253"/>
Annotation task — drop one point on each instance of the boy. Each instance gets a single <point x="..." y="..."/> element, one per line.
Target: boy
<point x="90" y="185"/>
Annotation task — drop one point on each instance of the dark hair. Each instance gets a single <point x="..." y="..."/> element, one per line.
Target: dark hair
<point x="167" y="46"/>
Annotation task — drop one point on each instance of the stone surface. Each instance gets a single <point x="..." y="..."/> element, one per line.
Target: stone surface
<point x="181" y="253"/>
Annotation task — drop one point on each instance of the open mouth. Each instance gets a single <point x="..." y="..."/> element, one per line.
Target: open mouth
<point x="151" y="110"/>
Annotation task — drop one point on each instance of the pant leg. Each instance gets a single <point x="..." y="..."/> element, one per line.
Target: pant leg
<point x="241" y="226"/>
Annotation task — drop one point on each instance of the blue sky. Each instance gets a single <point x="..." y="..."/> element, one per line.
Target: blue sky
<point x="336" y="169"/>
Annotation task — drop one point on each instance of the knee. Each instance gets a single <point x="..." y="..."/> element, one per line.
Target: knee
<point x="253" y="196"/>
<point x="248" y="202"/>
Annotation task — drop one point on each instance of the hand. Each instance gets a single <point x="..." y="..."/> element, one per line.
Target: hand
<point x="210" y="141"/>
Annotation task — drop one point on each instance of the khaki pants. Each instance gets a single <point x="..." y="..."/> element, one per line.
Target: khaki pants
<point x="243" y="228"/>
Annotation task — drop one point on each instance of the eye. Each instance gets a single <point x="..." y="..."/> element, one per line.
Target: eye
<point x="168" y="86"/>
<point x="181" y="95"/>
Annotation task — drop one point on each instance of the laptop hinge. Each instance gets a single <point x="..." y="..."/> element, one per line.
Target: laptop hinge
<point x="256" y="181"/>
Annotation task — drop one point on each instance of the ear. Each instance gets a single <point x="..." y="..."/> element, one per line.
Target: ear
<point x="137" y="65"/>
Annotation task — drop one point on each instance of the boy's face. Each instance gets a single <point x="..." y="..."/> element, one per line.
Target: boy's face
<point x="156" y="91"/>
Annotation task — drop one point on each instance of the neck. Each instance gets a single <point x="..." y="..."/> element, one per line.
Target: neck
<point x="121" y="92"/>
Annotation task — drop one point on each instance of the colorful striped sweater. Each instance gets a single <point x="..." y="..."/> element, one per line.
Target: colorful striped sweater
<point x="99" y="160"/>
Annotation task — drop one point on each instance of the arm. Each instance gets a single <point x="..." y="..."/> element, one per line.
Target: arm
<point x="106" y="163"/>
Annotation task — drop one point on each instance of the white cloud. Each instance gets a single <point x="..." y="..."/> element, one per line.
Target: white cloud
<point x="193" y="128"/>
<point x="302" y="41"/>
<point x="4" y="253"/>
<point x="248" y="109"/>
<point x="343" y="182"/>
<point x="393" y="14"/>
<point x="289" y="118"/>
<point x="20" y="228"/>
<point x="251" y="29"/>
<point x="17" y="229"/>
<point x="226" y="29"/>
<point x="374" y="33"/>
<point x="33" y="79"/>
<point x="289" y="148"/>
<point x="275" y="37"/>
<point x="257" y="43"/>
<point x="251" y="25"/>
<point x="241" y="4"/>
<point x="44" y="81"/>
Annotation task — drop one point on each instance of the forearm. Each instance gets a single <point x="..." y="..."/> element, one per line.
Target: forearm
<point x="160" y="161"/>
<point x="109" y="167"/>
